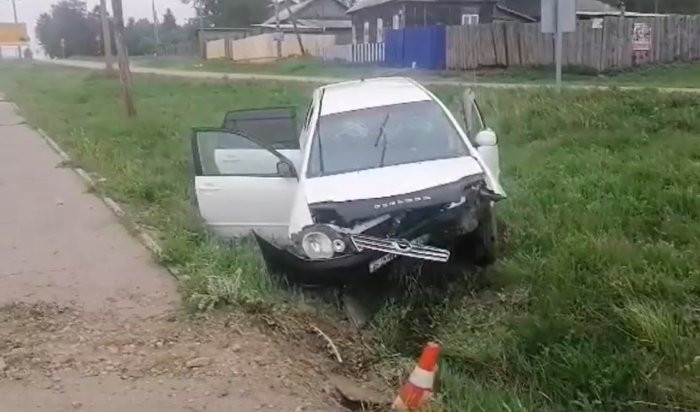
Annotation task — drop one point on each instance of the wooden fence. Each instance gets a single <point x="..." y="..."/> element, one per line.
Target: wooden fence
<point x="598" y="44"/>
<point x="355" y="53"/>
<point x="337" y="52"/>
<point x="262" y="48"/>
<point x="368" y="53"/>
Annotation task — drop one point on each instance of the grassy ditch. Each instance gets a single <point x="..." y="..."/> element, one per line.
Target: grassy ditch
<point x="595" y="304"/>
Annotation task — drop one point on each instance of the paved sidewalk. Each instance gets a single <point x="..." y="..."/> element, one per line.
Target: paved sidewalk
<point x="86" y="316"/>
<point x="60" y="244"/>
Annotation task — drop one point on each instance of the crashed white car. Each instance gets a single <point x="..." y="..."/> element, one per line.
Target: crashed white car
<point x="380" y="169"/>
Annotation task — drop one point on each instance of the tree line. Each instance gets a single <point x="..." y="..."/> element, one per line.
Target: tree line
<point x="70" y="29"/>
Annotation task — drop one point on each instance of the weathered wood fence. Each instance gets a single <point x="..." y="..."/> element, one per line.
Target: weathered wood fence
<point x="598" y="44"/>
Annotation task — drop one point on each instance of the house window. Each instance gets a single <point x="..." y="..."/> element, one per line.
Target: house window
<point x="380" y="30"/>
<point x="395" y="22"/>
<point x="468" y="19"/>
<point x="366" y="33"/>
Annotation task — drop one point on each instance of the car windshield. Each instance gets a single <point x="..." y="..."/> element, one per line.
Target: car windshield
<point x="383" y="136"/>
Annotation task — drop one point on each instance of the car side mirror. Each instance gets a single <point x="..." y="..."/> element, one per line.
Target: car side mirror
<point x="284" y="169"/>
<point x="486" y="138"/>
<point x="487" y="146"/>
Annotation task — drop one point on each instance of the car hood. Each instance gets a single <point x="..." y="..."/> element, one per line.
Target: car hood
<point x="389" y="181"/>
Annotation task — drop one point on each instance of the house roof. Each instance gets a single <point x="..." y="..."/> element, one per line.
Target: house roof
<point x="296" y="8"/>
<point x="522" y="7"/>
<point x="595" y="6"/>
<point x="516" y="13"/>
<point x="363" y="4"/>
<point x="319" y="24"/>
<point x="533" y="8"/>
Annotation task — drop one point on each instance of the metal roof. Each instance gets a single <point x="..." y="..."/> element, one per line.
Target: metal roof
<point x="310" y="24"/>
<point x="595" y="6"/>
<point x="284" y="12"/>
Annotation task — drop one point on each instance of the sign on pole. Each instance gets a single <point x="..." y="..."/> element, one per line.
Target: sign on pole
<point x="558" y="17"/>
<point x="13" y="34"/>
<point x="558" y="13"/>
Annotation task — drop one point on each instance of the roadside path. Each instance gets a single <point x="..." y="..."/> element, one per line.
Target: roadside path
<point x="88" y="321"/>
<point x="312" y="79"/>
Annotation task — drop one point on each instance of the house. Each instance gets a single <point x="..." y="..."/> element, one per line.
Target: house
<point x="584" y="8"/>
<point x="311" y="16"/>
<point x="370" y="18"/>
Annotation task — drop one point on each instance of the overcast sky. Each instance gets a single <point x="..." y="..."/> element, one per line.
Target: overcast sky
<point x="28" y="11"/>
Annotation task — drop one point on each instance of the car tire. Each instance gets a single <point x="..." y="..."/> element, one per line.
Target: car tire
<point x="486" y="237"/>
<point x="478" y="246"/>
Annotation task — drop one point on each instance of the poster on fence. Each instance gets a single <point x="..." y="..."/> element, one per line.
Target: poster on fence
<point x="641" y="37"/>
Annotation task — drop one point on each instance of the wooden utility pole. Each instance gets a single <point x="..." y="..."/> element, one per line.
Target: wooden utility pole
<point x="296" y="30"/>
<point x="14" y="11"/>
<point x="278" y="32"/>
<point x="106" y="37"/>
<point x="156" y="32"/>
<point x="123" y="59"/>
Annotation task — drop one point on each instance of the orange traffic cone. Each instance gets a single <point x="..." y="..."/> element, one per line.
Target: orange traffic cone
<point x="419" y="388"/>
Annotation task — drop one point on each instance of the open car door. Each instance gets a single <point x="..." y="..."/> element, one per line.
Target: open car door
<point x="482" y="138"/>
<point x="241" y="184"/>
<point x="275" y="127"/>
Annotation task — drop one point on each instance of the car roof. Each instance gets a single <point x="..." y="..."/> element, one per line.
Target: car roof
<point x="369" y="93"/>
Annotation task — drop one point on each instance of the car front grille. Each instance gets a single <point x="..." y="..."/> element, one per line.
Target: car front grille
<point x="400" y="247"/>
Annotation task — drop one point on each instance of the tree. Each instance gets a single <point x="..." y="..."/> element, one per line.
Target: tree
<point x="123" y="59"/>
<point x="68" y="20"/>
<point x="82" y="30"/>
<point x="169" y="23"/>
<point x="231" y="13"/>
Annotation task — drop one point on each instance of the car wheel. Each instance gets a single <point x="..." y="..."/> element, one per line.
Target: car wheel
<point x="478" y="246"/>
<point x="486" y="235"/>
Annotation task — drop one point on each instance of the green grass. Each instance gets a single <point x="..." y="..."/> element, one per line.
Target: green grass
<point x="595" y="303"/>
<point x="291" y="67"/>
<point x="674" y="75"/>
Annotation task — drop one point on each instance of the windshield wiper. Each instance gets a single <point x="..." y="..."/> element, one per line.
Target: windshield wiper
<point x="381" y="134"/>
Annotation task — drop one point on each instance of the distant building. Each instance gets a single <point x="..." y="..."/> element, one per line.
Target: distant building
<point x="312" y="16"/>
<point x="370" y="18"/>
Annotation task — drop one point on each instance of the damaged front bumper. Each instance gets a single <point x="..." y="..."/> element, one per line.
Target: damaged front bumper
<point x="369" y="254"/>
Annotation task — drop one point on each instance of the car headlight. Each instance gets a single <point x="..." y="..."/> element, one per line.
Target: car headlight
<point x="317" y="245"/>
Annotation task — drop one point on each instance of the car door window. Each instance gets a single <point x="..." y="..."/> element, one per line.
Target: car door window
<point x="472" y="116"/>
<point x="276" y="127"/>
<point x="229" y="153"/>
<point x="307" y="123"/>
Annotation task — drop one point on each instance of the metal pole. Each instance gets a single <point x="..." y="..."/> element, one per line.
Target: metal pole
<point x="558" y="46"/>
<point x="277" y="26"/>
<point x="14" y="11"/>
<point x="106" y="37"/>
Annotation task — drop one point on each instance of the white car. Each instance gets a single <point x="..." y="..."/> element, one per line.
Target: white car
<point x="380" y="169"/>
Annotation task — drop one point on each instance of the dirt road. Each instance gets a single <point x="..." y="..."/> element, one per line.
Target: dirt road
<point x="88" y="321"/>
<point x="312" y="79"/>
